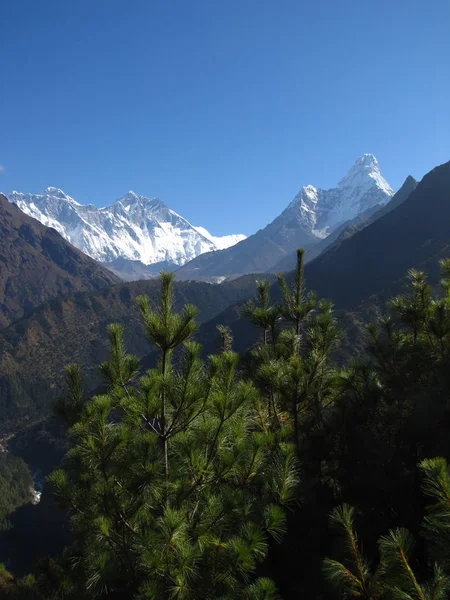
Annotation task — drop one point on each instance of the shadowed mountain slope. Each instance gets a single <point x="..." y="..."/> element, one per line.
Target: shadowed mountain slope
<point x="367" y="268"/>
<point x="312" y="215"/>
<point x="35" y="349"/>
<point x="37" y="264"/>
<point x="349" y="228"/>
<point x="416" y="233"/>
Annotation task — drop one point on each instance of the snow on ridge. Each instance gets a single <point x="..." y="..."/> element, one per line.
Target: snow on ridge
<point x="221" y="241"/>
<point x="365" y="172"/>
<point x="133" y="227"/>
<point x="363" y="187"/>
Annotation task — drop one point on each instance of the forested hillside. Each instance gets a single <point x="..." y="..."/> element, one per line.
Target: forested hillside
<point x="236" y="478"/>
<point x="35" y="349"/>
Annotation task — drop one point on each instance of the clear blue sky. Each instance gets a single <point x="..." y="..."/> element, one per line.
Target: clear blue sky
<point x="222" y="108"/>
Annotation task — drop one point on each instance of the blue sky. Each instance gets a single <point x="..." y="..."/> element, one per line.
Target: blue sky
<point x="223" y="109"/>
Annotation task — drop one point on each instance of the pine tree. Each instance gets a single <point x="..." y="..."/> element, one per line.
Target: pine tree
<point x="179" y="477"/>
<point x="393" y="577"/>
<point x="175" y="483"/>
<point x="296" y="306"/>
<point x="69" y="407"/>
<point x="293" y="371"/>
<point x="226" y="338"/>
<point x="166" y="330"/>
<point x="352" y="577"/>
<point x="436" y="526"/>
<point x="262" y="314"/>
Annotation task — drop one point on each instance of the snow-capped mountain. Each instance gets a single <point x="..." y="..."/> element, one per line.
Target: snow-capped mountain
<point x="223" y="241"/>
<point x="362" y="188"/>
<point x="134" y="228"/>
<point x="311" y="216"/>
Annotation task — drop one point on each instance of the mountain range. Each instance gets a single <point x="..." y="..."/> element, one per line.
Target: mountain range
<point x="310" y="218"/>
<point x="365" y="262"/>
<point x="348" y="228"/>
<point x="137" y="237"/>
<point x="134" y="228"/>
<point x="56" y="302"/>
<point x="361" y="271"/>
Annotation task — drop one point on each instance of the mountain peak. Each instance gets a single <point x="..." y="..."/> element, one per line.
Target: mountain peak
<point x="366" y="160"/>
<point x="130" y="198"/>
<point x="362" y="188"/>
<point x="133" y="199"/>
<point x="54" y="191"/>
<point x="131" y="194"/>
<point x="365" y="174"/>
<point x="362" y="167"/>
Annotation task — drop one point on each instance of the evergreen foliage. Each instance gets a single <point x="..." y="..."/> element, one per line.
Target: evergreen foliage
<point x="261" y="313"/>
<point x="229" y="477"/>
<point x="296" y="305"/>
<point x="175" y="481"/>
<point x="395" y="576"/>
<point x="15" y="486"/>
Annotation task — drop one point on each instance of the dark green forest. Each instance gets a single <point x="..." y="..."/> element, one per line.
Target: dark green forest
<point x="15" y="486"/>
<point x="282" y="472"/>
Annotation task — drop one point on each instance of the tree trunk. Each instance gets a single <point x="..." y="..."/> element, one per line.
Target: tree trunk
<point x="163" y="417"/>
<point x="295" y="417"/>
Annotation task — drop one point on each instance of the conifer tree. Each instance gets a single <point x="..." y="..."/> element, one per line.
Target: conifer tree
<point x="261" y="314"/>
<point x="294" y="371"/>
<point x="352" y="577"/>
<point x="393" y="577"/>
<point x="166" y="330"/>
<point x="69" y="408"/>
<point x="175" y="483"/>
<point x="296" y="306"/>
<point x="179" y="477"/>
<point x="226" y="338"/>
<point x="436" y="526"/>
